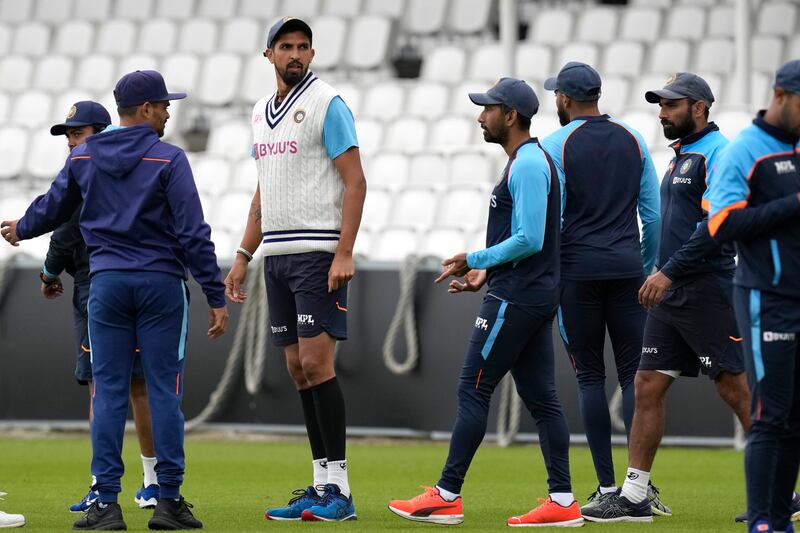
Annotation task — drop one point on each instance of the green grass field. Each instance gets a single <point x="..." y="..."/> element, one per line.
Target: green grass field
<point x="230" y="482"/>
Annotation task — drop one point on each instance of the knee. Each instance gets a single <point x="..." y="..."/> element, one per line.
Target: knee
<point x="732" y="388"/>
<point x="649" y="389"/>
<point x="296" y="372"/>
<point x="589" y="378"/>
<point x="315" y="368"/>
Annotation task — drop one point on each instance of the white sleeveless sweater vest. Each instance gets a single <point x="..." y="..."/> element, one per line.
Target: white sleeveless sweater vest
<point x="301" y="190"/>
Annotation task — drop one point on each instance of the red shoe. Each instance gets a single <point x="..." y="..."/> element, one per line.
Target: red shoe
<point x="429" y="507"/>
<point x="549" y="514"/>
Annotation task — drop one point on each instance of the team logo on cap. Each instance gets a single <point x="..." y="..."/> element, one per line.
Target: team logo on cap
<point x="72" y="111"/>
<point x="299" y="115"/>
<point x="671" y="79"/>
<point x="287" y="19"/>
<point x="686" y="166"/>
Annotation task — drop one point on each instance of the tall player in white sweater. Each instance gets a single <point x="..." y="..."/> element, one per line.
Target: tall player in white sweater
<point x="306" y="209"/>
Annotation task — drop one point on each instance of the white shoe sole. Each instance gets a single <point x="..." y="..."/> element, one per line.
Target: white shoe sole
<point x="578" y="522"/>
<point x="280" y="518"/>
<point x="620" y="519"/>
<point x="443" y="519"/>
<point x="145" y="504"/>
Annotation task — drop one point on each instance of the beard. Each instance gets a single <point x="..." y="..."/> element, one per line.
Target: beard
<point x="491" y="137"/>
<point x="294" y="77"/>
<point x="563" y="117"/>
<point x="678" y="130"/>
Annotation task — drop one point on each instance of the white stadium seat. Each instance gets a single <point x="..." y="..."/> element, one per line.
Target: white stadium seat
<point x="74" y="38"/>
<point x="299" y="8"/>
<point x="793" y="48"/>
<point x="31" y="39"/>
<point x="583" y="52"/>
<point x="13" y="149"/>
<point x="219" y="79"/>
<point x="5" y="107"/>
<point x="341" y="8"/>
<point x="646" y="123"/>
<point x="47" y="155"/>
<point x="415" y="207"/>
<point x="669" y="56"/>
<point x="368" y="44"/>
<point x="387" y="170"/>
<point x="721" y="21"/>
<point x="232" y="140"/>
<point x="647" y="82"/>
<point x="229" y="212"/>
<point x="394" y="244"/>
<point x="53" y="74"/>
<point x="544" y="124"/>
<point x="5" y="39"/>
<point x="64" y="101"/>
<point x="429" y="168"/>
<point x="363" y="246"/>
<point x="377" y="206"/>
<point x="94" y="10"/>
<point x="15" y="11"/>
<point x="766" y="54"/>
<point x="330" y="34"/>
<point x="614" y="97"/>
<point x="116" y="38"/>
<point x="442" y="243"/>
<point x="490" y="62"/>
<point x="243" y="36"/>
<point x="731" y="122"/>
<point x="180" y="72"/>
<point x="137" y="10"/>
<point x="217" y="9"/>
<point x="452" y="132"/>
<point x="158" y="37"/>
<point x="471" y="168"/>
<point x="259" y="79"/>
<point x="370" y="136"/>
<point x="463" y="208"/>
<point x="552" y="27"/>
<point x="245" y="176"/>
<point x="351" y="94"/>
<point x="533" y="62"/>
<point x="597" y="25"/>
<point x="15" y="73"/>
<point x="53" y="12"/>
<point x="211" y="175"/>
<point x="425" y="17"/>
<point x="469" y="16"/>
<point x="384" y="101"/>
<point x="715" y="55"/>
<point x="459" y="98"/>
<point x="394" y="9"/>
<point x="444" y="63"/>
<point x="175" y="9"/>
<point x="135" y="62"/>
<point x="686" y="22"/>
<point x="198" y="36"/>
<point x="95" y="72"/>
<point x="777" y="18"/>
<point x="263" y="10"/>
<point x="427" y="100"/>
<point x="623" y="59"/>
<point x="640" y="24"/>
<point x="661" y="4"/>
<point x="406" y="134"/>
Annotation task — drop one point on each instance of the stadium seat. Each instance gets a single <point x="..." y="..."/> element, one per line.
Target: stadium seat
<point x="259" y="80"/>
<point x="646" y="82"/>
<point x="137" y="10"/>
<point x="13" y="150"/>
<point x="584" y="52"/>
<point x="471" y="168"/>
<point x="15" y="11"/>
<point x="157" y="37"/>
<point x="224" y="242"/>
<point x="414" y="207"/>
<point x="715" y="83"/>
<point x="721" y="21"/>
<point x="362" y="248"/>
<point x="198" y="36"/>
<point x="394" y="244"/>
<point x="453" y="132"/>
<point x="669" y="56"/>
<point x="660" y="4"/>
<point x="232" y="140"/>
<point x="341" y="8"/>
<point x="74" y="39"/>
<point x="760" y="91"/>
<point x="442" y="243"/>
<point x="715" y="55"/>
<point x="135" y="62"/>
<point x="793" y="48"/>
<point x="459" y="98"/>
<point x="370" y="136"/>
<point x="175" y="9"/>
<point x="31" y="39"/>
<point x="469" y="16"/>
<point x="645" y="123"/>
<point x="445" y="64"/>
<point x="533" y="62"/>
<point x="15" y="73"/>
<point x="490" y="62"/>
<point x="368" y="44"/>
<point x="387" y="170"/>
<point x="597" y="25"/>
<point x="5" y="40"/>
<point x="544" y="124"/>
<point x="640" y="24"/>
<point x="211" y="175"/>
<point x="330" y="34"/>
<point x="5" y="107"/>
<point x="427" y="100"/>
<point x="477" y="241"/>
<point x="429" y="168"/>
<point x="351" y="94"/>
<point x="686" y="22"/>
<point x="180" y="71"/>
<point x="53" y="12"/>
<point x="216" y="9"/>
<point x="552" y="27"/>
<point x="64" y="101"/>
<point x="777" y="18"/>
<point x="299" y="8"/>
<point x="94" y="10"/>
<point x="463" y="208"/>
<point x="53" y="74"/>
<point x="406" y="134"/>
<point x="623" y="59"/>
<point x="243" y="36"/>
<point x="229" y="212"/>
<point x="377" y="206"/>
<point x="116" y="38"/>
<point x="394" y="9"/>
<point x="244" y="177"/>
<point x="766" y="54"/>
<point x="425" y="17"/>
<point x="95" y="72"/>
<point x="383" y="101"/>
<point x="614" y="98"/>
<point x="46" y="156"/>
<point x="265" y="11"/>
<point x="219" y="79"/>
<point x="731" y="122"/>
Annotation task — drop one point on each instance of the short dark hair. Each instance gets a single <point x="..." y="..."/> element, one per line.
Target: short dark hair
<point x="130" y="111"/>
<point x="523" y="123"/>
<point x="692" y="101"/>
<point x="97" y="128"/>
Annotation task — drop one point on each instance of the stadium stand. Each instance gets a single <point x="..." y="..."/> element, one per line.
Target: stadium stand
<point x="423" y="151"/>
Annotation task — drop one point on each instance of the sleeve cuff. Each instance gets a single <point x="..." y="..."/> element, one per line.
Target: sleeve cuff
<point x="472" y="260"/>
<point x="48" y="274"/>
<point x="669" y="270"/>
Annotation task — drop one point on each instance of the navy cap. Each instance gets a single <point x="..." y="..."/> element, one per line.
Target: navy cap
<point x="577" y="80"/>
<point x="788" y="77"/>
<point x="285" y="25"/>
<point x="512" y="93"/>
<point x="84" y="113"/>
<point x="682" y="85"/>
<point x="135" y="88"/>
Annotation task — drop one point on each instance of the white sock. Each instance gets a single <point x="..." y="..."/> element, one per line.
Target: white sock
<point x="94" y="482"/>
<point x="446" y="494"/>
<point x="320" y="474"/>
<point x="337" y="474"/>
<point x="149" y="468"/>
<point x="608" y="490"/>
<point x="564" y="499"/>
<point x="635" y="486"/>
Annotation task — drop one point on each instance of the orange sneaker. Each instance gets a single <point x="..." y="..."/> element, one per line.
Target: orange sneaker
<point x="430" y="507"/>
<point x="549" y="514"/>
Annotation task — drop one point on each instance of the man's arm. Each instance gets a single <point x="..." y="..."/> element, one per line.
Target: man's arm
<point x="649" y="206"/>
<point x="63" y="243"/>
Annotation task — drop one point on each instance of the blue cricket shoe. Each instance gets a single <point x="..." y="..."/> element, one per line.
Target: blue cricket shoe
<point x="333" y="507"/>
<point x="87" y="501"/>
<point x="147" y="497"/>
<point x="303" y="499"/>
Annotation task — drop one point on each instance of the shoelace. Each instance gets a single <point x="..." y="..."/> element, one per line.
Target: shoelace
<point x="299" y="494"/>
<point x="429" y="491"/>
<point x="592" y="496"/>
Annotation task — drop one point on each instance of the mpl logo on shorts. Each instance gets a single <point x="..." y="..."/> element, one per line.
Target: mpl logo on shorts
<point x="481" y="323"/>
<point x="774" y="336"/>
<point x="279" y="329"/>
<point x="705" y="361"/>
<point x="305" y="320"/>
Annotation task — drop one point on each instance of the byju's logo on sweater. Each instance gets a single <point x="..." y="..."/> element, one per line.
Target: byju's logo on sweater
<point x="272" y="149"/>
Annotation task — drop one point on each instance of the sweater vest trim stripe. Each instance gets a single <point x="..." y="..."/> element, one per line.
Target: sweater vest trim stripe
<point x="290" y="231"/>
<point x="275" y="114"/>
<point x="300" y="238"/>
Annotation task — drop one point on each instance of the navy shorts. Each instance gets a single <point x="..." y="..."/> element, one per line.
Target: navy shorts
<point x="694" y="330"/>
<point x="298" y="298"/>
<point x="83" y="352"/>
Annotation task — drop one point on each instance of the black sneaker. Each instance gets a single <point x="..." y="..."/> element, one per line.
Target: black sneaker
<point x="795" y="510"/>
<point x="105" y="517"/>
<point x="171" y="515"/>
<point x="617" y="508"/>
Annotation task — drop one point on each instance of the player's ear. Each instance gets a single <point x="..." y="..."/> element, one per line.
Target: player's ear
<point x="312" y="56"/>
<point x="269" y="55"/>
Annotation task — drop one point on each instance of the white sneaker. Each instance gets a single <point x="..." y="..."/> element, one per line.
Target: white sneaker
<point x="10" y="520"/>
